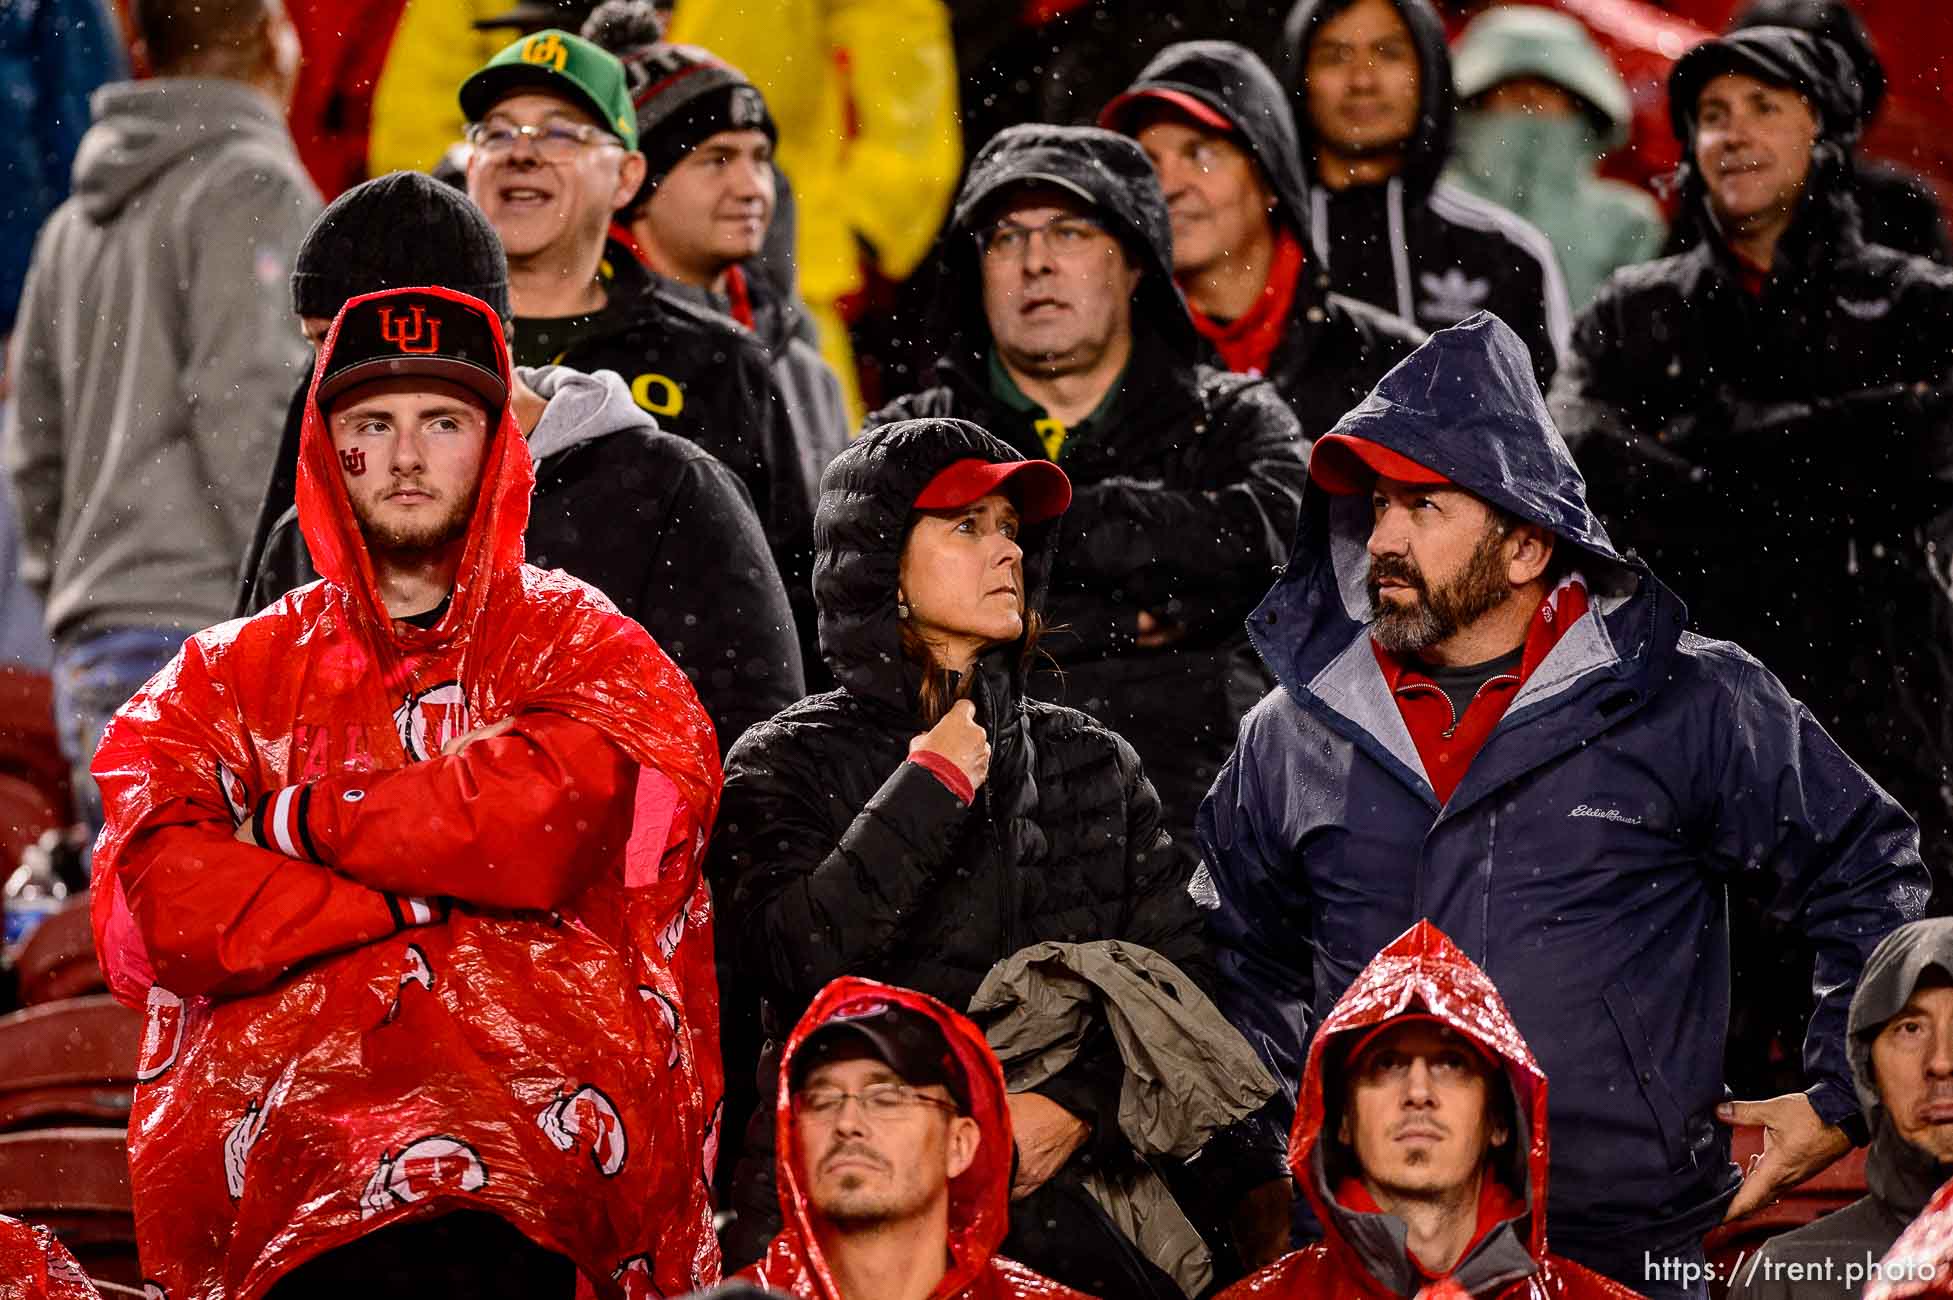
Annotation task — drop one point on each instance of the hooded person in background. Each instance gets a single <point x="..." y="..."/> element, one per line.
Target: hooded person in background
<point x="1371" y="84"/>
<point x="651" y="520"/>
<point x="1897" y="207"/>
<point x="707" y="206"/>
<point x="895" y="1156"/>
<point x="1421" y="1141"/>
<point x="1901" y="1043"/>
<point x="1541" y="103"/>
<point x="1491" y="719"/>
<point x="1065" y="336"/>
<point x="1217" y="127"/>
<point x="405" y="870"/>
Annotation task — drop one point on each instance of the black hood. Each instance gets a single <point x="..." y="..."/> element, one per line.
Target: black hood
<point x="1234" y="82"/>
<point x="1819" y="70"/>
<point x="867" y="503"/>
<point x="1430" y="143"/>
<point x="1835" y="21"/>
<point x="1101" y="167"/>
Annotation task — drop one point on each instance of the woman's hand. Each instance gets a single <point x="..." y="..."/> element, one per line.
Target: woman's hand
<point x="959" y="739"/>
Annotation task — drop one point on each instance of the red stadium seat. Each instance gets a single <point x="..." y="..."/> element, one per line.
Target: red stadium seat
<point x="58" y="959"/>
<point x="72" y="1061"/>
<point x="76" y="1182"/>
<point x="1835" y="1188"/>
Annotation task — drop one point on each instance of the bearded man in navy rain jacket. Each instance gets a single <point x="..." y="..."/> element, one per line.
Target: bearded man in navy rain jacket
<point x="1489" y="718"/>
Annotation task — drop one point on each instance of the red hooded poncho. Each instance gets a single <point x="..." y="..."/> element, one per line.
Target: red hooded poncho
<point x="1422" y="971"/>
<point x="1920" y="1264"/>
<point x="979" y="1198"/>
<point x="476" y="980"/>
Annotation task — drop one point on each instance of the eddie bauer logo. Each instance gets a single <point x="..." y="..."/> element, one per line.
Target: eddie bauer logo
<point x="1604" y="814"/>
<point x="424" y="337"/>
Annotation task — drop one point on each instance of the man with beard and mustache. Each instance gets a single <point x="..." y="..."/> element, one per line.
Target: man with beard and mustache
<point x="895" y="1156"/>
<point x="1491" y="719"/>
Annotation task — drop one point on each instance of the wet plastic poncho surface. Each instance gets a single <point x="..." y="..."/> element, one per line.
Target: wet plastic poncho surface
<point x="979" y="1198"/>
<point x="1422" y="972"/>
<point x="35" y="1266"/>
<point x="482" y="979"/>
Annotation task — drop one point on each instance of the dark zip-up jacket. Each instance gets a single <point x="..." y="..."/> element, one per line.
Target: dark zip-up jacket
<point x="1785" y="461"/>
<point x="657" y="525"/>
<point x="1333" y="348"/>
<point x="1584" y="861"/>
<point x="1416" y="245"/>
<point x="835" y="855"/>
<point x="1184" y="492"/>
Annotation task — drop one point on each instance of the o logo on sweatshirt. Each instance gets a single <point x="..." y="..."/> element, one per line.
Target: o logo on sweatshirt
<point x="658" y="394"/>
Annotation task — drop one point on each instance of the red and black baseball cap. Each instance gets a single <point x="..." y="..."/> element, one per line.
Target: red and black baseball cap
<point x="406" y="332"/>
<point x="1345" y="465"/>
<point x="1120" y="113"/>
<point x="1039" y="488"/>
<point x="906" y="1040"/>
<point x="1448" y="1030"/>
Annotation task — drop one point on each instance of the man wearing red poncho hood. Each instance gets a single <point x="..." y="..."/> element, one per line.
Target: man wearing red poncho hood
<point x="1368" y="1249"/>
<point x="917" y="1038"/>
<point x="406" y="871"/>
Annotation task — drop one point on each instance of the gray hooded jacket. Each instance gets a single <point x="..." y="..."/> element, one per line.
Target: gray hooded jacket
<point x="155" y="355"/>
<point x="1901" y="1176"/>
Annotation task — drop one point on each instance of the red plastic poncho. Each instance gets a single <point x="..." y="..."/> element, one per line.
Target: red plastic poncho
<point x="979" y="1198"/>
<point x="1920" y="1264"/>
<point x="1422" y="971"/>
<point x="482" y="979"/>
<point x="35" y="1266"/>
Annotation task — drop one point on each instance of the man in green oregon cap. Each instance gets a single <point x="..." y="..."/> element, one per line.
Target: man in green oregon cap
<point x="554" y="154"/>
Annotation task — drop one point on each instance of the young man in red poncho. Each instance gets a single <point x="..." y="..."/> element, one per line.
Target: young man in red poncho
<point x="895" y="1156"/>
<point x="1420" y="1138"/>
<point x="403" y="867"/>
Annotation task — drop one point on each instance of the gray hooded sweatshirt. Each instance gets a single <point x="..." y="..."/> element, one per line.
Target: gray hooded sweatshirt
<point x="155" y="354"/>
<point x="1834" y="1256"/>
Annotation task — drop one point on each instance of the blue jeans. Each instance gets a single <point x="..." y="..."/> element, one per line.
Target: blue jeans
<point x="92" y="679"/>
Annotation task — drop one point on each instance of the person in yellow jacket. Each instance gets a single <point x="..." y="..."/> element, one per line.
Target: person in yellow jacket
<point x="864" y="92"/>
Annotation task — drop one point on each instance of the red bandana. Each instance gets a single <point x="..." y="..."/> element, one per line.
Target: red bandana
<point x="1247" y="342"/>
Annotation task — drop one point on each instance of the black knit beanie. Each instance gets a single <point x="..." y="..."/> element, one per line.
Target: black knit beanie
<point x="398" y="231"/>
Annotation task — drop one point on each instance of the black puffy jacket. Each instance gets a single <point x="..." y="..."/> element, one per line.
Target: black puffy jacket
<point x="1785" y="461"/>
<point x="1185" y="493"/>
<point x="835" y="855"/>
<point x="1417" y="245"/>
<point x="1333" y="349"/>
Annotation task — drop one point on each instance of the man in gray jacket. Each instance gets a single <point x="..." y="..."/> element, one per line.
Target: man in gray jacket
<point x="1900" y="1039"/>
<point x="153" y="358"/>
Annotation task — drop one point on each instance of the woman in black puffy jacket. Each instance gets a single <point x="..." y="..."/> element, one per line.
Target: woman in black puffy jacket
<point x="926" y="819"/>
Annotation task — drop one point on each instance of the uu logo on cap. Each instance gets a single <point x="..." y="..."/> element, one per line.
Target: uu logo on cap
<point x="423" y="338"/>
<point x="546" y="47"/>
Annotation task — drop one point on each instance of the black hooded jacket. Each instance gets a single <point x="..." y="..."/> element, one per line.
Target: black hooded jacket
<point x="1417" y="245"/>
<point x="834" y="854"/>
<point x="1333" y="348"/>
<point x="653" y="522"/>
<point x="1786" y="459"/>
<point x="1185" y="492"/>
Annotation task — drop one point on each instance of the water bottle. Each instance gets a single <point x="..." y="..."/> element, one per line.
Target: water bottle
<point x="34" y="892"/>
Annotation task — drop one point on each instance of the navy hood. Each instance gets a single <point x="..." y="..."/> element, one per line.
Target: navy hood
<point x="1234" y="82"/>
<point x="1430" y="142"/>
<point x="1101" y="168"/>
<point x="1467" y="405"/>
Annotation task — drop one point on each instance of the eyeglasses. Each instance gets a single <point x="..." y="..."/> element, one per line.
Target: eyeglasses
<point x="1064" y="237"/>
<point x="553" y="141"/>
<point x="879" y="1101"/>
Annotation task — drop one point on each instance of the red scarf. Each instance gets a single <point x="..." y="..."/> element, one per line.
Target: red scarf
<point x="740" y="298"/>
<point x="1496" y="1204"/>
<point x="1247" y="342"/>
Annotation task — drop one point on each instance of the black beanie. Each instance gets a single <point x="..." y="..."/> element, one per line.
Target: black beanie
<point x="398" y="231"/>
<point x="685" y="96"/>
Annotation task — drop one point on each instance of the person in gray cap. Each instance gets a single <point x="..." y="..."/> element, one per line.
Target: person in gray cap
<point x="1900" y="1040"/>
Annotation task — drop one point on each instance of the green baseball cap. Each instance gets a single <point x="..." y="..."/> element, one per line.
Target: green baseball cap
<point x="561" y="62"/>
